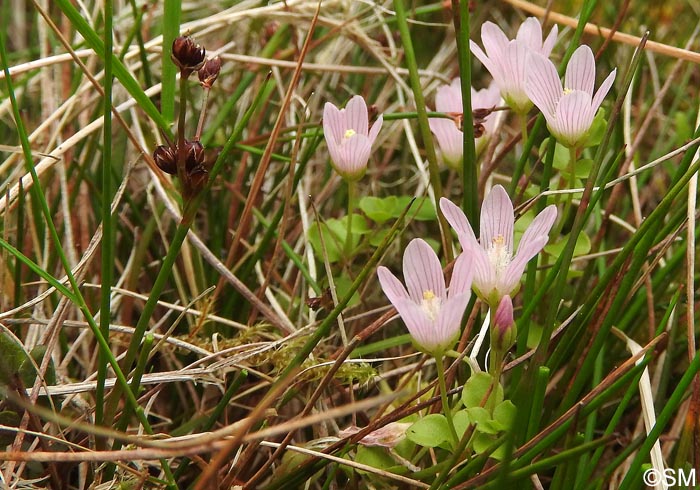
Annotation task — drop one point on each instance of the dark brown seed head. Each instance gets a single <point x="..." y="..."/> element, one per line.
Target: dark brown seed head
<point x="194" y="155"/>
<point x="166" y="159"/>
<point x="187" y="55"/>
<point x="209" y="72"/>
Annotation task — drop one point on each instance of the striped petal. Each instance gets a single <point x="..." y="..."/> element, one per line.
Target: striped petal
<point x="497" y="219"/>
<point x="422" y="271"/>
<point x="580" y="72"/>
<point x="543" y="85"/>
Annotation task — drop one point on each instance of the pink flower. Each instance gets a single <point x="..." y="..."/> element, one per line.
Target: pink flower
<point x="432" y="315"/>
<point x="497" y="271"/>
<point x="449" y="137"/>
<point x="569" y="110"/>
<point x="348" y="138"/>
<point x="507" y="60"/>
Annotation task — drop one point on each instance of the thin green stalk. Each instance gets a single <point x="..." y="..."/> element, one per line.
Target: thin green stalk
<point x="77" y="297"/>
<point x="423" y="125"/>
<point x="73" y="293"/>
<point x="470" y="169"/>
<point x="558" y="275"/>
<point x="107" y="252"/>
<point x="171" y="29"/>
<point x="571" y="168"/>
<point x="189" y="213"/>
<point x="445" y="403"/>
<point x="352" y="189"/>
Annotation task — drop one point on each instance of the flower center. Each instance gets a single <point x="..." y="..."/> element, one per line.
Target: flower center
<point x="430" y="304"/>
<point x="349" y="133"/>
<point x="498" y="254"/>
<point x="567" y="91"/>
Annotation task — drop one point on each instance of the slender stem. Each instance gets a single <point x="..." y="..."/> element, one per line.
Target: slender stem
<point x="107" y="264"/>
<point x="414" y="78"/>
<point x="470" y="168"/>
<point x="523" y="130"/>
<point x="181" y="151"/>
<point x="568" y="199"/>
<point x="443" y="396"/>
<point x="202" y="115"/>
<point x="352" y="189"/>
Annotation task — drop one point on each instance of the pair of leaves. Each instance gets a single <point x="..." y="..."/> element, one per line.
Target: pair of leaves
<point x="485" y="409"/>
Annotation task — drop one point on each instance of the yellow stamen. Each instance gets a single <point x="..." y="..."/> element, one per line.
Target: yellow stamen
<point x="428" y="295"/>
<point x="349" y="134"/>
<point x="567" y="91"/>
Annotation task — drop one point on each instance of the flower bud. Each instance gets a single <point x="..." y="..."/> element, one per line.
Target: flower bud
<point x="209" y="72"/>
<point x="166" y="159"/>
<point x="187" y="55"/>
<point x="503" y="331"/>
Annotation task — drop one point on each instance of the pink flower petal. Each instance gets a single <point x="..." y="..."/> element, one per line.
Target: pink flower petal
<point x="356" y="115"/>
<point x="573" y="118"/>
<point x="449" y="138"/>
<point x="351" y="156"/>
<point x="458" y="221"/>
<point x="543" y="85"/>
<point x="462" y="274"/>
<point x="539" y="227"/>
<point x="486" y="98"/>
<point x="392" y="287"/>
<point x="485" y="60"/>
<point x="484" y="280"/>
<point x="549" y="43"/>
<point x="580" y="72"/>
<point x="530" y="34"/>
<point x="497" y="219"/>
<point x="510" y="279"/>
<point x="603" y="91"/>
<point x="449" y="98"/>
<point x="417" y="322"/>
<point x="374" y="131"/>
<point x="449" y="320"/>
<point x="422" y="271"/>
<point x="515" y="76"/>
<point x="333" y="127"/>
<point x="494" y="40"/>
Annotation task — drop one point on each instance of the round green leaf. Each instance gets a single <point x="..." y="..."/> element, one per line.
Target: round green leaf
<point x="476" y="389"/>
<point x="430" y="431"/>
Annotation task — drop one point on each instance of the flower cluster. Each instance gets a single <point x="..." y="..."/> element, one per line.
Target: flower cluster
<point x="489" y="266"/>
<point x="186" y="158"/>
<point x="523" y="76"/>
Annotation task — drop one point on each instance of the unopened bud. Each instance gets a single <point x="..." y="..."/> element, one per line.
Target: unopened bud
<point x="503" y="331"/>
<point x="209" y="72"/>
<point x="166" y="159"/>
<point x="187" y="55"/>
